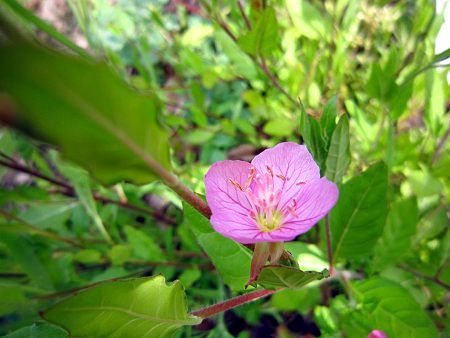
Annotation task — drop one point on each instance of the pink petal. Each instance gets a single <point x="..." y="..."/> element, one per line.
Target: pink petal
<point x="377" y="334"/>
<point x="245" y="230"/>
<point x="221" y="194"/>
<point x="313" y="202"/>
<point x="232" y="225"/>
<point x="292" y="161"/>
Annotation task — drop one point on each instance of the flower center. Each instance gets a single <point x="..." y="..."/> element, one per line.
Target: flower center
<point x="269" y="221"/>
<point x="264" y="196"/>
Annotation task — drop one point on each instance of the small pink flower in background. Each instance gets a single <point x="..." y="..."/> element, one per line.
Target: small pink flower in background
<point x="275" y="198"/>
<point x="377" y="334"/>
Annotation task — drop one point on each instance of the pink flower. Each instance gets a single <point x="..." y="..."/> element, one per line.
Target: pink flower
<point x="276" y="197"/>
<point x="377" y="334"/>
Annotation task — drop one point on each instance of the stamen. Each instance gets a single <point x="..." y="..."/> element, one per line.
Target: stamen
<point x="236" y="184"/>
<point x="250" y="177"/>
<point x="292" y="211"/>
<point x="282" y="177"/>
<point x="269" y="170"/>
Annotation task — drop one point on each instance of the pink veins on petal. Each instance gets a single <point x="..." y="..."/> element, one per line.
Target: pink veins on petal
<point x="276" y="197"/>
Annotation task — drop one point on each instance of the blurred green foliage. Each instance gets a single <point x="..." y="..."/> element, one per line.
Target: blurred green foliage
<point x="357" y="81"/>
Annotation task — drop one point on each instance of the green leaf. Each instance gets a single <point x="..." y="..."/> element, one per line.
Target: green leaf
<point x="307" y="19"/>
<point x="358" y="218"/>
<point x="28" y="15"/>
<point x="278" y="276"/>
<point x="49" y="216"/>
<point x="241" y="62"/>
<point x="38" y="330"/>
<point x="308" y="256"/>
<point x="88" y="256"/>
<point x="302" y="300"/>
<point x="312" y="137"/>
<point x="397" y="235"/>
<point x="390" y="308"/>
<point x="435" y="101"/>
<point x="141" y="307"/>
<point x="143" y="245"/>
<point x="119" y="254"/>
<point x="442" y="56"/>
<point x="279" y="127"/>
<point x="85" y="109"/>
<point x="338" y="157"/>
<point x="24" y="254"/>
<point x="324" y="319"/>
<point x="231" y="259"/>
<point x="81" y="183"/>
<point x="12" y="298"/>
<point x="328" y="120"/>
<point x="264" y="39"/>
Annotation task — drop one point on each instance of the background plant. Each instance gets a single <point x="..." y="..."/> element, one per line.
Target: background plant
<point x="357" y="81"/>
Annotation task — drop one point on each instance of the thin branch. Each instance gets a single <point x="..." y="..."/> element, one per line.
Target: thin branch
<point x="261" y="64"/>
<point x="18" y="167"/>
<point x="275" y="82"/>
<point x="329" y="247"/>
<point x="244" y="16"/>
<point x="70" y="191"/>
<point x="232" y="303"/>
<point x="227" y="29"/>
<point x="440" y="146"/>
<point x="441" y="268"/>
<point x="419" y="274"/>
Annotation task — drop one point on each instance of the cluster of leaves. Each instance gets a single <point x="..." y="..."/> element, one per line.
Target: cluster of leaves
<point x="221" y="80"/>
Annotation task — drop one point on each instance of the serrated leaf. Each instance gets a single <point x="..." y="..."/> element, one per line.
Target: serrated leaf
<point x="397" y="235"/>
<point x="85" y="109"/>
<point x="389" y="307"/>
<point x="338" y="157"/>
<point x="278" y="276"/>
<point x="141" y="307"/>
<point x="231" y="259"/>
<point x="358" y="218"/>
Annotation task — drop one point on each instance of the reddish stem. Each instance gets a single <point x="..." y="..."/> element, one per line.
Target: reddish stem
<point x="329" y="248"/>
<point x="232" y="303"/>
<point x="244" y="16"/>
